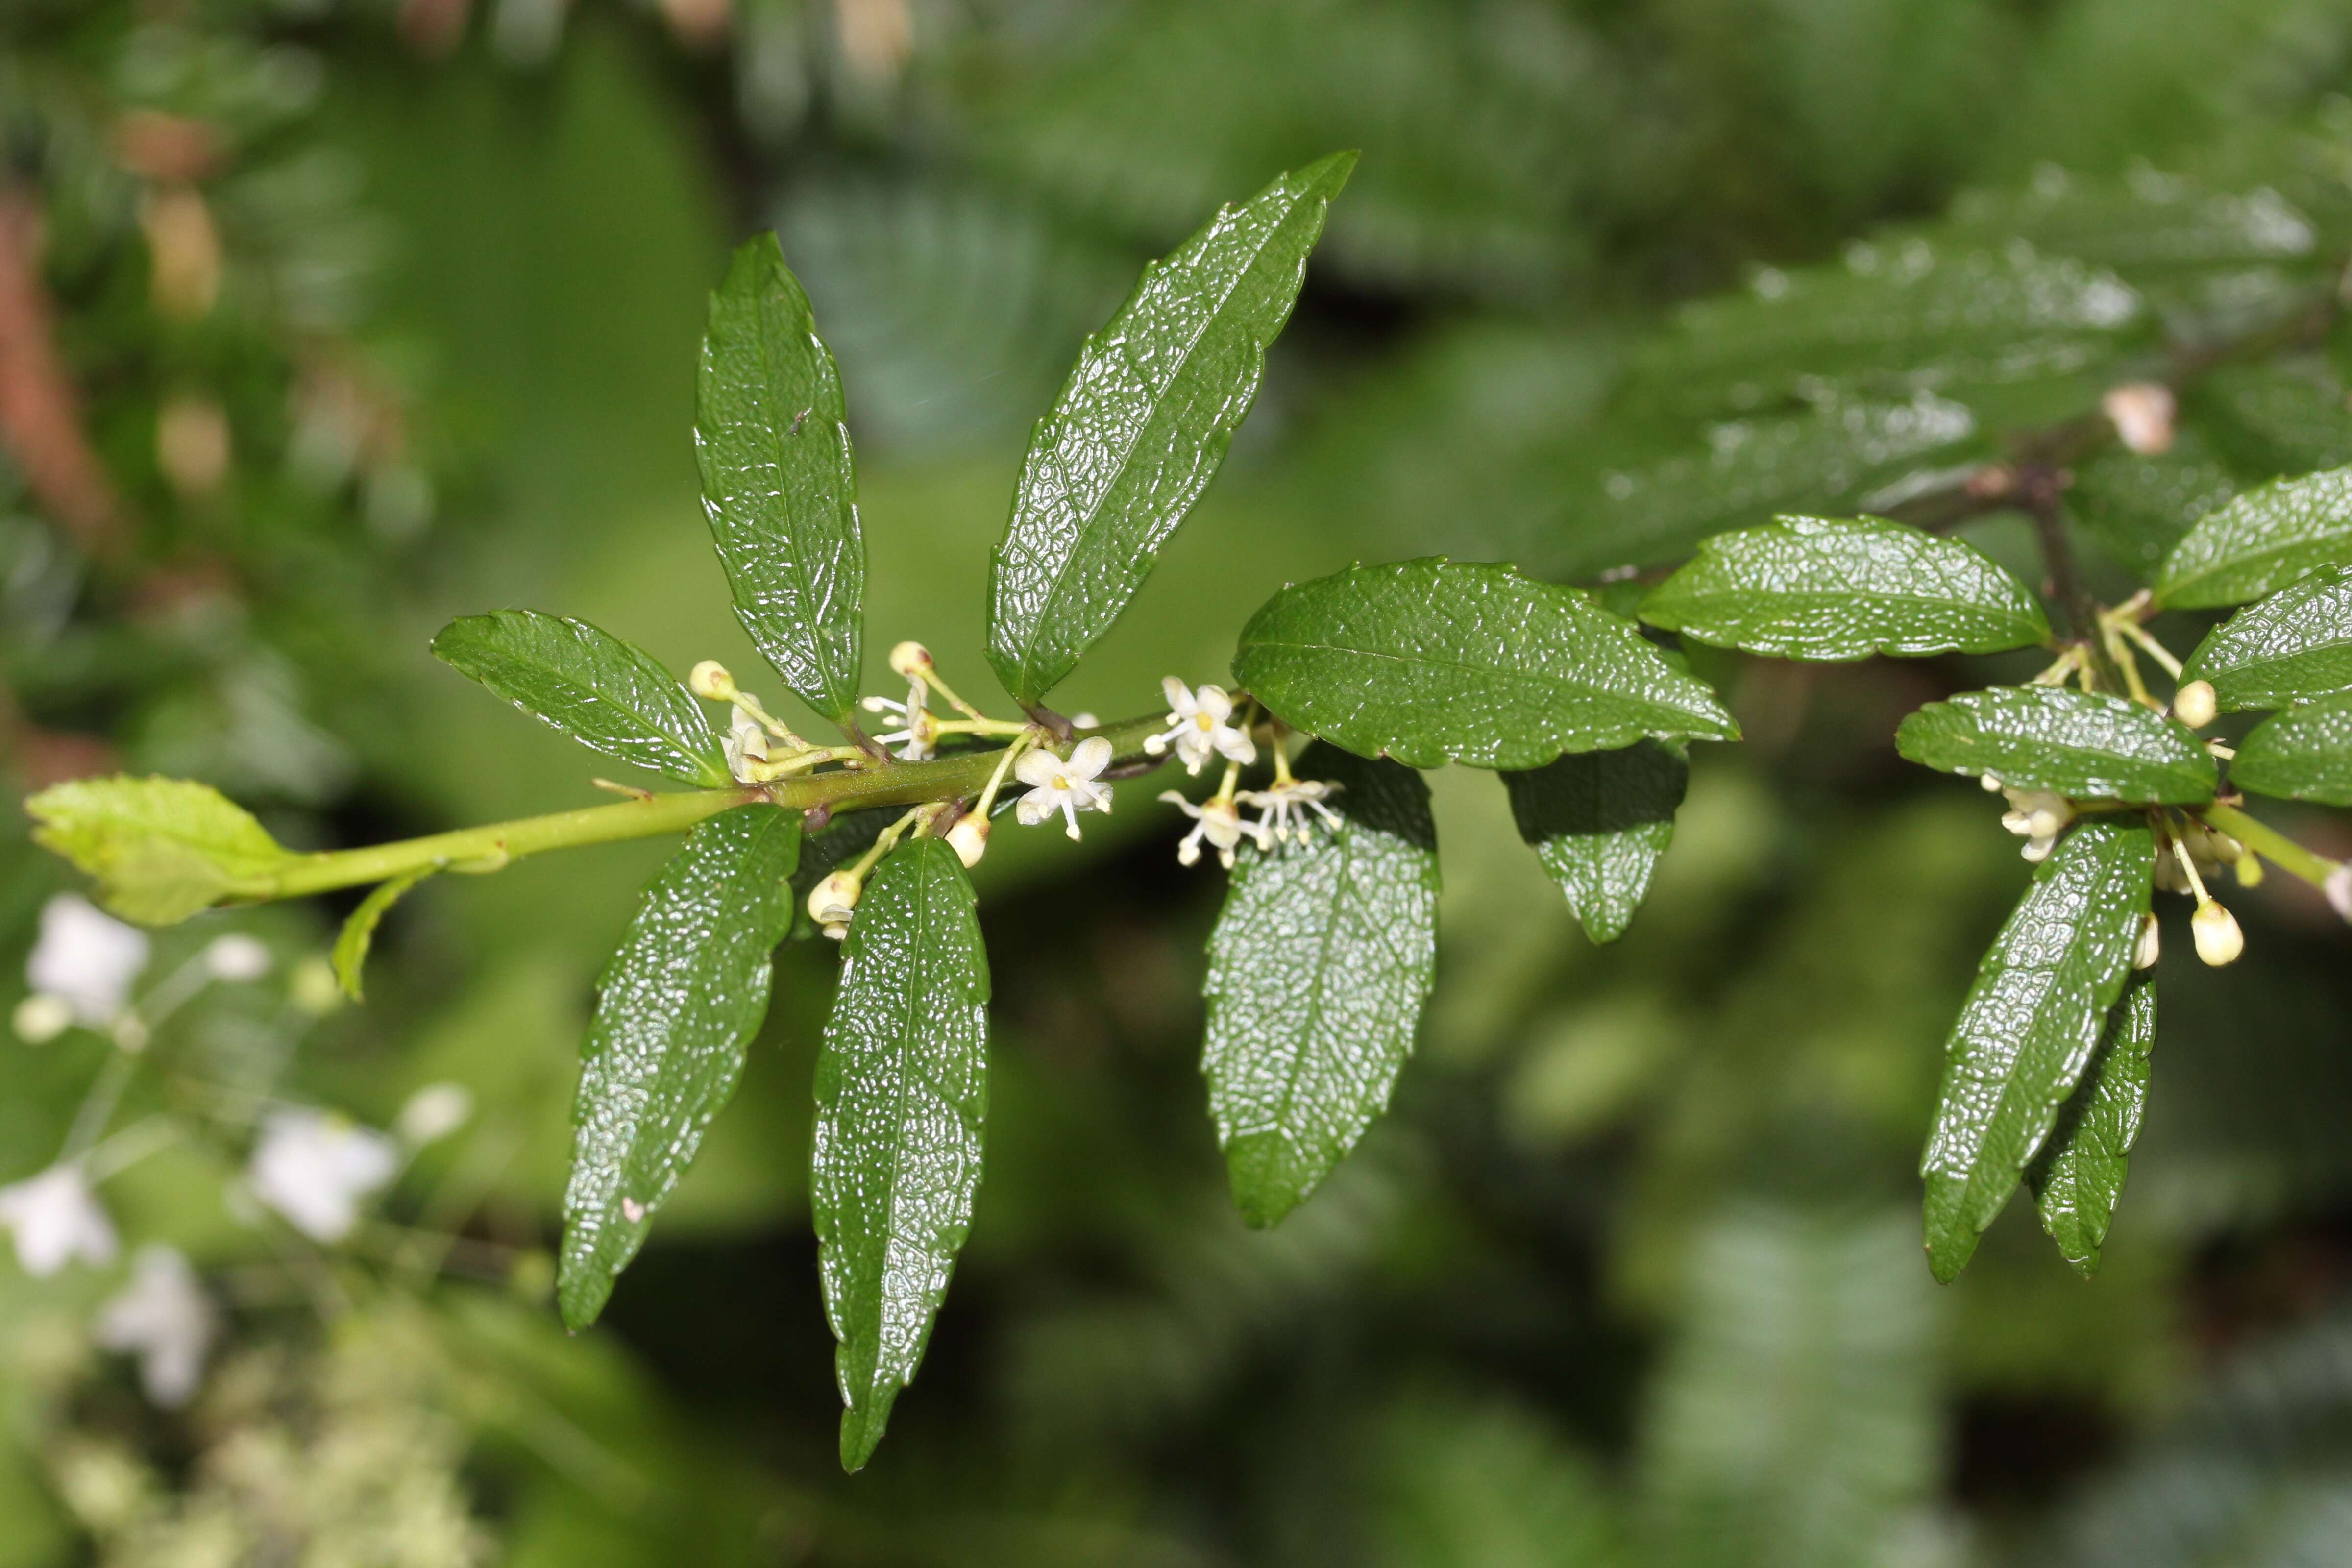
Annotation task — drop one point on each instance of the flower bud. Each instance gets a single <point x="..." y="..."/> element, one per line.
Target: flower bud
<point x="2194" y="704"/>
<point x="710" y="678"/>
<point x="2218" y="940"/>
<point x="831" y="901"/>
<point x="910" y="660"/>
<point x="2142" y="414"/>
<point x="2151" y="944"/>
<point x="969" y="839"/>
<point x="236" y="957"/>
<point x="2338" y="889"/>
<point x="40" y="1019"/>
<point x="2250" y="870"/>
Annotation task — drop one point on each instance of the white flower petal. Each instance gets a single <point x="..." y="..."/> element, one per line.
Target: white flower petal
<point x="236" y="957"/>
<point x="57" y="1218"/>
<point x="1236" y="746"/>
<point x="87" y="957"/>
<point x="1213" y="701"/>
<point x="1036" y="807"/>
<point x="1179" y="697"/>
<point x="316" y="1170"/>
<point x="1089" y="757"/>
<point x="1036" y="769"/>
<point x="165" y="1319"/>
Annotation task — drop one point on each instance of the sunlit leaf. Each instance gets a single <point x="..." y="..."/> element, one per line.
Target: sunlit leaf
<point x="2082" y="745"/>
<point x="2261" y="542"/>
<point x="160" y="848"/>
<point x="2304" y="753"/>
<point x="2293" y="646"/>
<point x="2079" y="1171"/>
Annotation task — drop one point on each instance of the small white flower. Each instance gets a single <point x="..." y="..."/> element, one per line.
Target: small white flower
<point x="57" y="1218"/>
<point x="746" y="743"/>
<point x="2142" y="414"/>
<point x="315" y="1169"/>
<point x="919" y="732"/>
<point x="1199" y="726"/>
<point x="236" y="957"/>
<point x="2038" y="817"/>
<point x="40" y="1019"/>
<point x="1218" y="821"/>
<point x="833" y="901"/>
<point x="1067" y="785"/>
<point x="88" y="958"/>
<point x="433" y="1113"/>
<point x="1285" y="809"/>
<point x="164" y="1319"/>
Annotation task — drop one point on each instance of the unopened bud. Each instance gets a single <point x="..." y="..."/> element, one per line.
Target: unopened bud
<point x="2151" y="944"/>
<point x="969" y="839"/>
<point x="2142" y="414"/>
<point x="2218" y="940"/>
<point x="710" y="678"/>
<point x="831" y="900"/>
<point x="2338" y="889"/>
<point x="2195" y="705"/>
<point x="910" y="660"/>
<point x="1990" y="781"/>
<point x="2250" y="871"/>
<point x="40" y="1019"/>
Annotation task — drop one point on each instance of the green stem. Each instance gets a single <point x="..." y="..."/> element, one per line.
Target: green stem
<point x="2271" y="844"/>
<point x="496" y="845"/>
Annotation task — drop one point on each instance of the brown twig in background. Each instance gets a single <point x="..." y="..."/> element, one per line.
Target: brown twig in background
<point x="40" y="412"/>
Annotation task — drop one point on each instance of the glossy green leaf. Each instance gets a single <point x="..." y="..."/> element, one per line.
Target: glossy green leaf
<point x="1598" y="821"/>
<point x="1142" y="425"/>
<point x="901" y="1094"/>
<point x="677" y="1005"/>
<point x="1317" y="969"/>
<point x="1436" y="661"/>
<point x="779" y="486"/>
<point x="1808" y="588"/>
<point x="2030" y="1026"/>
<point x="610" y="696"/>
<point x="2083" y="744"/>
<point x="2261" y="542"/>
<point x="351" y="943"/>
<point x="2304" y="753"/>
<point x="2079" y="1171"/>
<point x="2291" y="648"/>
<point x="2139" y="508"/>
<point x="160" y="848"/>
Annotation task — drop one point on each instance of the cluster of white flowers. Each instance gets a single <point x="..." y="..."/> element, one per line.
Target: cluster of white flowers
<point x="2036" y="815"/>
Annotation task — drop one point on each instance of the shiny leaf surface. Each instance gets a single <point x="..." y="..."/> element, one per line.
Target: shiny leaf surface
<point x="1142" y="425"/>
<point x="1317" y="969"/>
<point x="2030" y="1026"/>
<point x="2291" y="648"/>
<point x="2261" y="542"/>
<point x="901" y="1094"/>
<point x="2079" y="1173"/>
<point x="1808" y="588"/>
<point x="1598" y="821"/>
<point x="1436" y="661"/>
<point x="2082" y="745"/>
<point x="680" y="1001"/>
<point x="609" y="695"/>
<point x="779" y="486"/>
<point x="160" y="848"/>
<point x="2304" y="753"/>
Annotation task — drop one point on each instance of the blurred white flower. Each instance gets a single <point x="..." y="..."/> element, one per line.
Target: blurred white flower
<point x="1066" y="785"/>
<point x="315" y="1169"/>
<point x="40" y="1019"/>
<point x="433" y="1113"/>
<point x="88" y="958"/>
<point x="163" y="1318"/>
<point x="236" y="957"/>
<point x="57" y="1218"/>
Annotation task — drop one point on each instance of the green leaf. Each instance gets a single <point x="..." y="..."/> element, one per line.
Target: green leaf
<point x="2030" y="1025"/>
<point x="778" y="482"/>
<point x="610" y="696"/>
<point x="1808" y="588"/>
<point x="1317" y="969"/>
<point x="2304" y="753"/>
<point x="2291" y="648"/>
<point x="1142" y="425"/>
<point x="160" y="848"/>
<point x="2139" y="508"/>
<point x="901" y="1094"/>
<point x="2082" y="745"/>
<point x="2261" y="542"/>
<point x="679" y="1003"/>
<point x="2079" y="1171"/>
<point x="1432" y="662"/>
<point x="357" y="934"/>
<point x="1598" y="821"/>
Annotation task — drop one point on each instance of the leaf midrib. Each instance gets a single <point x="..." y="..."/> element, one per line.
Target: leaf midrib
<point x="796" y="563"/>
<point x="1488" y="670"/>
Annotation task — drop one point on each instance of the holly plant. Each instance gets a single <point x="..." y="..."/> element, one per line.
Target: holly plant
<point x="1584" y="703"/>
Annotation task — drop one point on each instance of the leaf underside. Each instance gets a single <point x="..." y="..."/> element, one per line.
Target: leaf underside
<point x="1808" y="588"/>
<point x="161" y="849"/>
<point x="609" y="695"/>
<point x="2304" y="753"/>
<point x="2293" y="646"/>
<point x="2261" y="542"/>
<point x="779" y="485"/>
<point x="1436" y="661"/>
<point x="1598" y="821"/>
<point x="1142" y="425"/>
<point x="2030" y="1025"/>
<point x="677" y="1006"/>
<point x="1317" y="969"/>
<point x="2079" y="1171"/>
<point x="2082" y="745"/>
<point x="902" y="1096"/>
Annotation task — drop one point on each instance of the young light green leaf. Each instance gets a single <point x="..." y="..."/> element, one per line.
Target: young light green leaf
<point x="610" y="696"/>
<point x="2079" y="1171"/>
<point x="677" y="1005"/>
<point x="162" y="849"/>
<point x="778" y="482"/>
<point x="1142" y="425"/>
<point x="2293" y="646"/>
<point x="1808" y="588"/>
<point x="2030" y="1025"/>
<point x="351" y="943"/>
<point x="2082" y="745"/>
<point x="2304" y="753"/>
<point x="1432" y="662"/>
<point x="2261" y="542"/>
<point x="901" y="1094"/>
<point x="1317" y="969"/>
<point x="1598" y="821"/>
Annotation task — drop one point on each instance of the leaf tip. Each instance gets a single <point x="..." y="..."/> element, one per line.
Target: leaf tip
<point x="861" y="1430"/>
